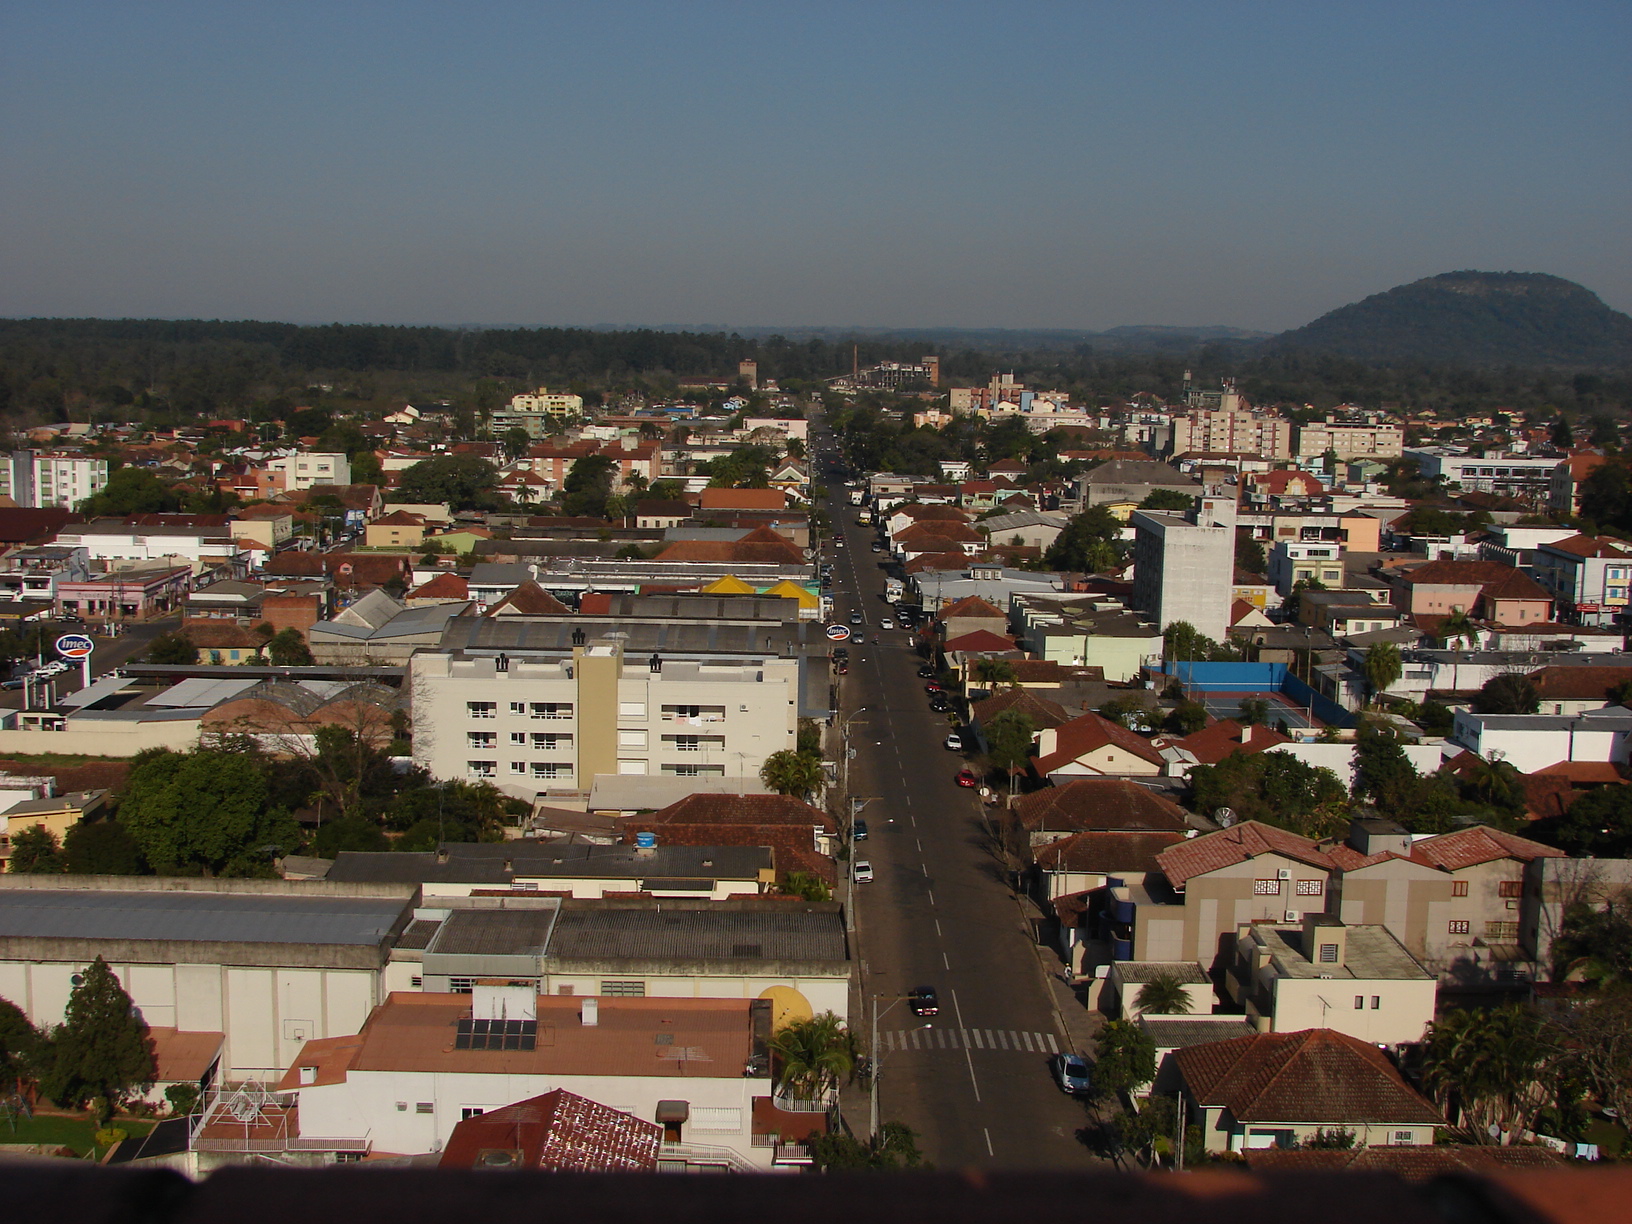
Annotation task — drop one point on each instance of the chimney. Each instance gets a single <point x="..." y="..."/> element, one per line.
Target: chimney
<point x="1325" y="941"/>
<point x="590" y="1013"/>
<point x="442" y="855"/>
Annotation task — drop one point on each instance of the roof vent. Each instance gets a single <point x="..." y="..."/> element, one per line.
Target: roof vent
<point x="590" y="1012"/>
<point x="442" y="854"/>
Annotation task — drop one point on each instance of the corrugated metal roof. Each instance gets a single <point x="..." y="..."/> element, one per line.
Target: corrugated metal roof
<point x="690" y="935"/>
<point x="196" y="692"/>
<point x="217" y="917"/>
<point x="480" y="863"/>
<point x="507" y="932"/>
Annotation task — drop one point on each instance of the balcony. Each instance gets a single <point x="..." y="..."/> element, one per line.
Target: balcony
<point x="804" y="1104"/>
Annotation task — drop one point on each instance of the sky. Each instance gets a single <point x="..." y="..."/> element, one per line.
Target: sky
<point x="937" y="164"/>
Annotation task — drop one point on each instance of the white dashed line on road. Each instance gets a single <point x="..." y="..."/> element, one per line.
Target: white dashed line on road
<point x="988" y="1135"/>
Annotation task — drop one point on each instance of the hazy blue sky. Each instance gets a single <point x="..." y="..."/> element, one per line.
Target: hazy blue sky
<point x="895" y="164"/>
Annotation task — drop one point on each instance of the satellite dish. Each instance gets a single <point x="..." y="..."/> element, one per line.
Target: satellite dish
<point x="1225" y="817"/>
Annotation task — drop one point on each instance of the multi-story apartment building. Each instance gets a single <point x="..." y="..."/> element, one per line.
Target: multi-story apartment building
<point x="1588" y="577"/>
<point x="43" y="480"/>
<point x="1371" y="439"/>
<point x="541" y="720"/>
<point x="308" y="468"/>
<point x="1219" y="423"/>
<point x="1182" y="566"/>
<point x="1522" y="477"/>
<point x="537" y="412"/>
<point x="1291" y="563"/>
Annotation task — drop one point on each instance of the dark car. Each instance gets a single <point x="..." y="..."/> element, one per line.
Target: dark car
<point x="924" y="1001"/>
<point x="841" y="667"/>
<point x="858" y="831"/>
<point x="926" y="672"/>
<point x="940" y="704"/>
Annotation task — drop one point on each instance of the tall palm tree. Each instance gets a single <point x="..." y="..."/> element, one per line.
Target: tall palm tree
<point x="813" y="1056"/>
<point x="1163" y="995"/>
<point x="1459" y="627"/>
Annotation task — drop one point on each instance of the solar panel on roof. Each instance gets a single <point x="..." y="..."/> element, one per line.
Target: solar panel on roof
<point x="472" y="1034"/>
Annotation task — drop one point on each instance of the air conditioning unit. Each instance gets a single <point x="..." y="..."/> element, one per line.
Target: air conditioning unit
<point x="1291" y="916"/>
<point x="1283" y="873"/>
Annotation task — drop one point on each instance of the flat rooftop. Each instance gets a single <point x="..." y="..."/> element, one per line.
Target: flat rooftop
<point x="653" y="934"/>
<point x="213" y="917"/>
<point x="1371" y="954"/>
<point x="484" y="863"/>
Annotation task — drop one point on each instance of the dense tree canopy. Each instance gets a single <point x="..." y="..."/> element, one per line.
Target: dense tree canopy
<point x="206" y="811"/>
<point x="101" y="1052"/>
<point x="465" y="482"/>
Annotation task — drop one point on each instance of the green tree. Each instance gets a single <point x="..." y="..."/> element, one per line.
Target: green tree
<point x="22" y="1047"/>
<point x="1249" y="553"/>
<point x="813" y="1056"/>
<point x="894" y="1147"/>
<point x="1252" y="712"/>
<point x="131" y="491"/>
<point x="206" y="811"/>
<point x="1008" y="739"/>
<point x="1459" y="627"/>
<point x="1508" y="693"/>
<point x="1163" y="995"/>
<point x="1272" y="787"/>
<point x="348" y="833"/>
<point x="183" y="1099"/>
<point x="806" y="886"/>
<point x="465" y="482"/>
<point x="1598" y="824"/>
<point x="992" y="672"/>
<point x="102" y="847"/>
<point x="1087" y="544"/>
<point x="287" y="648"/>
<point x="1560" y="434"/>
<point x="1167" y="499"/>
<point x="516" y="441"/>
<point x="172" y="648"/>
<point x="1127" y="1058"/>
<point x="1337" y="1139"/>
<point x="1187" y="717"/>
<point x="588" y="486"/>
<point x="366" y="469"/>
<point x="101" y="1052"/>
<point x="792" y="773"/>
<point x="1497" y="1068"/>
<point x="34" y="851"/>
<point x="1382" y="667"/>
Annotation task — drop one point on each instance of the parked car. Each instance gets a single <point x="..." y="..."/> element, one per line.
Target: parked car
<point x="886" y="623"/>
<point x="858" y="831"/>
<point x="954" y="742"/>
<point x="923" y="1001"/>
<point x="933" y="686"/>
<point x="864" y="871"/>
<point x="966" y="777"/>
<point x="926" y="672"/>
<point x="1071" y="1074"/>
<point x="939" y="703"/>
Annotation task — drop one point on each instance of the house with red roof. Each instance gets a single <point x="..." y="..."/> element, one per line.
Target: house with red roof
<point x="558" y="1132"/>
<point x="1574" y="690"/>
<point x="1222" y="738"/>
<point x="442" y="588"/>
<point x="1486" y="589"/>
<point x="972" y="614"/>
<point x="1094" y="746"/>
<point x="1278" y="1089"/>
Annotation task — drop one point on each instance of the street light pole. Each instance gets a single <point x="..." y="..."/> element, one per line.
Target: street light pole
<point x="878" y="1059"/>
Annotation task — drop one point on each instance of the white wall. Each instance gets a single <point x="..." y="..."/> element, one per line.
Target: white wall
<point x="1406" y="1008"/>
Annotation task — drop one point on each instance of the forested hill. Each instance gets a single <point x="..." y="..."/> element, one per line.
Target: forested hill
<point x="1474" y="319"/>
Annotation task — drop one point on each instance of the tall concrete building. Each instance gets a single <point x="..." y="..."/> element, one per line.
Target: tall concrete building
<point x="1219" y="423"/>
<point x="46" y="480"/>
<point x="1183" y="566"/>
<point x="1372" y="439"/>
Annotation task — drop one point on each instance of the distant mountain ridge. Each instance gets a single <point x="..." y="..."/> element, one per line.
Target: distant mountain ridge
<point x="1138" y="338"/>
<point x="1474" y="319"/>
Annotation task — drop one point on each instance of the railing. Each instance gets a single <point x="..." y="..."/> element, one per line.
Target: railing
<point x="793" y="1154"/>
<point x="804" y="1104"/>
<point x="293" y="1143"/>
<point x="701" y="1154"/>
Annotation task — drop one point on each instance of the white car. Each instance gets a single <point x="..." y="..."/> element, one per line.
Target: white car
<point x="886" y="623"/>
<point x="864" y="872"/>
<point x="954" y="742"/>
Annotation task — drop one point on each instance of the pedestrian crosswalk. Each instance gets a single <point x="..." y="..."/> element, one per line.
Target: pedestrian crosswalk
<point x="937" y="1038"/>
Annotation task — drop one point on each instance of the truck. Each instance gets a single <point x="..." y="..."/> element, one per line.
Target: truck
<point x="864" y="517"/>
<point x="857" y="496"/>
<point x="893" y="589"/>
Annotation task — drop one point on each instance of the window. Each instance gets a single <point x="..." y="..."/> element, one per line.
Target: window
<point x="416" y="982"/>
<point x="425" y="1107"/>
<point x="481" y="769"/>
<point x="694" y="771"/>
<point x="631" y="739"/>
<point x="551" y="769"/>
<point x="1266" y="888"/>
<point x="1458" y="926"/>
<point x="402" y="1106"/>
<point x="1376" y="1002"/>
<point x="1510" y="888"/>
<point x="482" y="709"/>
<point x="551" y="709"/>
<point x="549" y="739"/>
<point x="1405" y="1137"/>
<point x="1311" y="888"/>
<point x="461" y="985"/>
<point x="518" y="767"/>
<point x="1328" y="954"/>
<point x="631" y="709"/>
<point x="1501" y="930"/>
<point x="1459" y="888"/>
<point x="518" y="707"/>
<point x="715" y="1120"/>
<point x="470" y="1111"/>
<point x="624" y="989"/>
<point x="519" y="738"/>
<point x="482" y="739"/>
<point x="1359" y="1002"/>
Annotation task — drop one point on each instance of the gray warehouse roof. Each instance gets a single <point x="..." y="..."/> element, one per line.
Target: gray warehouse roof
<point x="215" y="917"/>
<point x="482" y="863"/>
<point x="698" y="935"/>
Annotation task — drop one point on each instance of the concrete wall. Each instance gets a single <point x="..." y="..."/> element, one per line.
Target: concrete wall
<point x="1403" y="1008"/>
<point x="1220" y="901"/>
<point x="110" y="738"/>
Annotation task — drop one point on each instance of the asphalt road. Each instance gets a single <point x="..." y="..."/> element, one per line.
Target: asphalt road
<point x="973" y="1081"/>
<point x="109" y="654"/>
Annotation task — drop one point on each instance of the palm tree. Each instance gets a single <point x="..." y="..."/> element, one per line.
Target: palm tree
<point x="1163" y="995"/>
<point x="1382" y="667"/>
<point x="813" y="1056"/>
<point x="1459" y="627"/>
<point x="792" y="773"/>
<point x="994" y="671"/>
<point x="1497" y="1067"/>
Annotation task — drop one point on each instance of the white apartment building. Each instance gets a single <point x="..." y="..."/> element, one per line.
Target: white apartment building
<point x="308" y="468"/>
<point x="45" y="480"/>
<point x="1522" y="477"/>
<point x="1291" y="563"/>
<point x="1351" y="440"/>
<point x="535" y="413"/>
<point x="1231" y="427"/>
<point x="532" y="722"/>
<point x="1589" y="577"/>
<point x="1183" y="567"/>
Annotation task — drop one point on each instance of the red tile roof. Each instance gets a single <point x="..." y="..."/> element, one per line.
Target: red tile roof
<point x="761" y="546"/>
<point x="981" y="641"/>
<point x="1564" y="683"/>
<point x="1584" y="773"/>
<point x="1109" y="851"/>
<point x="705" y="808"/>
<point x="1226" y="737"/>
<point x="443" y="586"/>
<point x="1313" y="1076"/>
<point x="559" y="1132"/>
<point x="973" y="606"/>
<point x="1587" y="546"/>
<point x="1088" y="733"/>
<point x="1478" y="844"/>
<point x="923" y="513"/>
<point x="528" y="599"/>
<point x="744" y="499"/>
<point x="1414" y="1163"/>
<point x="1041" y="711"/>
<point x="1085" y="804"/>
<point x="1237" y="844"/>
<point x="917" y="534"/>
<point x="1491" y="577"/>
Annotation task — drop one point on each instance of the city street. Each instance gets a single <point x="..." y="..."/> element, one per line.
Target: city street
<point x="110" y="653"/>
<point x="974" y="1080"/>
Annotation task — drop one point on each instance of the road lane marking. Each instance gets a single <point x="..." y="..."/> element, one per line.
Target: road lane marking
<point x="991" y="1041"/>
<point x="938" y="934"/>
<point x="1004" y="1038"/>
<point x="988" y="1135"/>
<point x="946" y="962"/>
<point x="1052" y="1048"/>
<point x="932" y="896"/>
<point x="1026" y="1037"/>
<point x="968" y="1058"/>
<point x="919" y="844"/>
<point x="975" y="1036"/>
<point x="940" y="1039"/>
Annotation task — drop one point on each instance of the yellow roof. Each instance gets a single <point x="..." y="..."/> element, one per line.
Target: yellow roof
<point x="729" y="585"/>
<point x="789" y="589"/>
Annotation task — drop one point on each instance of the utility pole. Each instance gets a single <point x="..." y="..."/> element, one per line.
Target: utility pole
<point x="1178" y="1138"/>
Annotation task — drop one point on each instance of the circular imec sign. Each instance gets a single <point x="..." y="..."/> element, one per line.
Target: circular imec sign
<point x="838" y="633"/>
<point x="75" y="646"/>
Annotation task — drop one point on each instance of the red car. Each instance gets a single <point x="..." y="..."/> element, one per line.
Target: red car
<point x="933" y="687"/>
<point x="966" y="777"/>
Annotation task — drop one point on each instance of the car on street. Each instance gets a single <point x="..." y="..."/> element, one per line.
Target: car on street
<point x="1071" y="1074"/>
<point x="933" y="686"/>
<point x="858" y="831"/>
<point x="954" y="742"/>
<point x="926" y="672"/>
<point x="841" y="667"/>
<point x="864" y="871"/>
<point x="923" y="1001"/>
<point x="886" y="623"/>
<point x="939" y="703"/>
<point x="878" y="548"/>
<point x="838" y="543"/>
<point x="855" y="618"/>
<point x="966" y="777"/>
